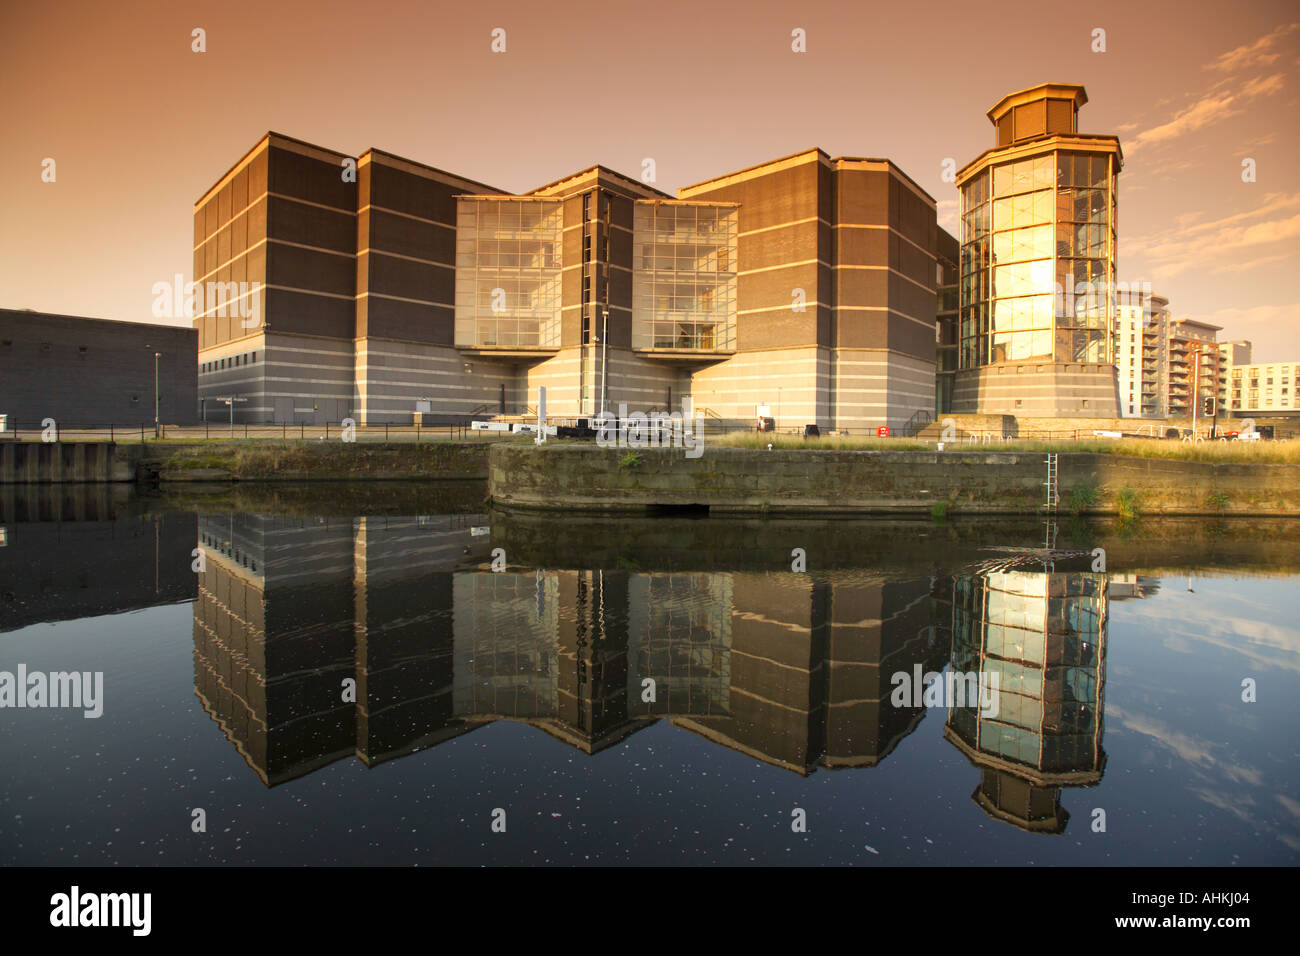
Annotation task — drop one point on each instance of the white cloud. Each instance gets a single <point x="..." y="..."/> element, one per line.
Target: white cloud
<point x="1257" y="53"/>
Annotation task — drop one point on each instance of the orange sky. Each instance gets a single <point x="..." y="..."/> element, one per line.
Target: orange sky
<point x="139" y="126"/>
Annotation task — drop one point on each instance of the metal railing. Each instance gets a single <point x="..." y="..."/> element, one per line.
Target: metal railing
<point x="919" y="420"/>
<point x="463" y="431"/>
<point x="282" y="431"/>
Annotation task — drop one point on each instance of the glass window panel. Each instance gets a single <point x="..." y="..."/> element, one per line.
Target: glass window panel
<point x="1064" y="205"/>
<point x="1044" y="172"/>
<point x="1022" y="176"/>
<point x="1002" y="179"/>
<point x="1064" y="235"/>
<point x="1097" y="166"/>
<point x="1043" y="206"/>
<point x="1082" y="175"/>
<point x="1002" y="214"/>
<point x="1022" y="210"/>
<point x="1097" y="206"/>
<point x="1003" y="246"/>
<point x="1082" y="203"/>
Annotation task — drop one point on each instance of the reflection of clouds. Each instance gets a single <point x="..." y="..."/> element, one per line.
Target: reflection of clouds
<point x="1231" y="803"/>
<point x="1200" y="756"/>
<point x="1224" y="598"/>
<point x="1242" y="774"/>
<point x="1184" y="746"/>
<point x="1292" y="806"/>
<point x="1264" y="644"/>
<point x="1236" y="616"/>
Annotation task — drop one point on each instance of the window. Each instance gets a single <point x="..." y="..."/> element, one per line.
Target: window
<point x="687" y="299"/>
<point x="508" y="262"/>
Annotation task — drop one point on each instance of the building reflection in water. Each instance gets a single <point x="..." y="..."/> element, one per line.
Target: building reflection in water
<point x="1042" y="636"/>
<point x="792" y="669"/>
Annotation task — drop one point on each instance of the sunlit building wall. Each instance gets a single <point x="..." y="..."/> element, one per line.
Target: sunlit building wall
<point x="1263" y="388"/>
<point x="804" y="286"/>
<point x="1195" y="371"/>
<point x="836" y="295"/>
<point x="1141" y="356"/>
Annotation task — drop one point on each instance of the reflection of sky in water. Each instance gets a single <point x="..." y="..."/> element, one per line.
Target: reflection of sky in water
<point x="1193" y="775"/>
<point x="1174" y="706"/>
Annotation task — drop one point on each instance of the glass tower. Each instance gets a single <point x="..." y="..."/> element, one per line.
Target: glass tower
<point x="1038" y="241"/>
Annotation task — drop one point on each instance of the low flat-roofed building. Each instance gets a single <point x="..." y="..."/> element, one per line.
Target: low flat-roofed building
<point x="84" y="371"/>
<point x="1266" y="388"/>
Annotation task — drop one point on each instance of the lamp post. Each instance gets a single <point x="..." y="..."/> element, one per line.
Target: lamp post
<point x="604" y="357"/>
<point x="1196" y="384"/>
<point x="156" y="356"/>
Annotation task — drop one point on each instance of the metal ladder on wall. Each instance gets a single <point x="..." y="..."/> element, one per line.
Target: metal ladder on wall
<point x="1053" y="489"/>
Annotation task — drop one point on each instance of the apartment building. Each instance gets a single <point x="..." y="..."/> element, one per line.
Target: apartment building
<point x="1141" y="355"/>
<point x="1195" y="369"/>
<point x="1262" y="389"/>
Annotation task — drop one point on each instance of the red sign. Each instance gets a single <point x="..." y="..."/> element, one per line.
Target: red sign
<point x="882" y="431"/>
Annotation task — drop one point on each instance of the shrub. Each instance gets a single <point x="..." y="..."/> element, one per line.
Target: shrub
<point x="1083" y="498"/>
<point x="1128" y="503"/>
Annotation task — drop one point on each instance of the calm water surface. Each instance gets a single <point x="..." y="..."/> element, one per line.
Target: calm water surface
<point x="350" y="681"/>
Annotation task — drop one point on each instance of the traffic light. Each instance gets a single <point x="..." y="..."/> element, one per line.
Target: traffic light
<point x="1207" y="406"/>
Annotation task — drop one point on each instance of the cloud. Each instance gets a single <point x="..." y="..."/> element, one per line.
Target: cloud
<point x="1252" y="54"/>
<point x="1270" y="327"/>
<point x="1225" y="97"/>
<point x="1213" y="107"/>
<point x="1253" y="262"/>
<point x="1174" y="250"/>
<point x="1263" y="86"/>
<point x="1197" y="116"/>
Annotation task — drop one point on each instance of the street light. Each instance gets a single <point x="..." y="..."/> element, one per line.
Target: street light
<point x="231" y="400"/>
<point x="604" y="358"/>
<point x="156" y="356"/>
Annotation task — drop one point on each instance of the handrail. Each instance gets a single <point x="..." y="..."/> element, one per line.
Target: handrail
<point x="919" y="420"/>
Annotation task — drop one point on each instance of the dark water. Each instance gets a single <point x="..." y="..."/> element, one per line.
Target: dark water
<point x="349" y="681"/>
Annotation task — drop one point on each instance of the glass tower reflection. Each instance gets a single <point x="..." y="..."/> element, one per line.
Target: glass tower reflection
<point x="1041" y="635"/>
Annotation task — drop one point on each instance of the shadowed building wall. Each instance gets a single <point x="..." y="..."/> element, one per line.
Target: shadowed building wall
<point x="81" y="371"/>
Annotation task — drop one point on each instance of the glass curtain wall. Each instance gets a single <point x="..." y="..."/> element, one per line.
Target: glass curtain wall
<point x="684" y="276"/>
<point x="680" y="636"/>
<point x="506" y="644"/>
<point x="1043" y="634"/>
<point x="1030" y="228"/>
<point x="508" y="266"/>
